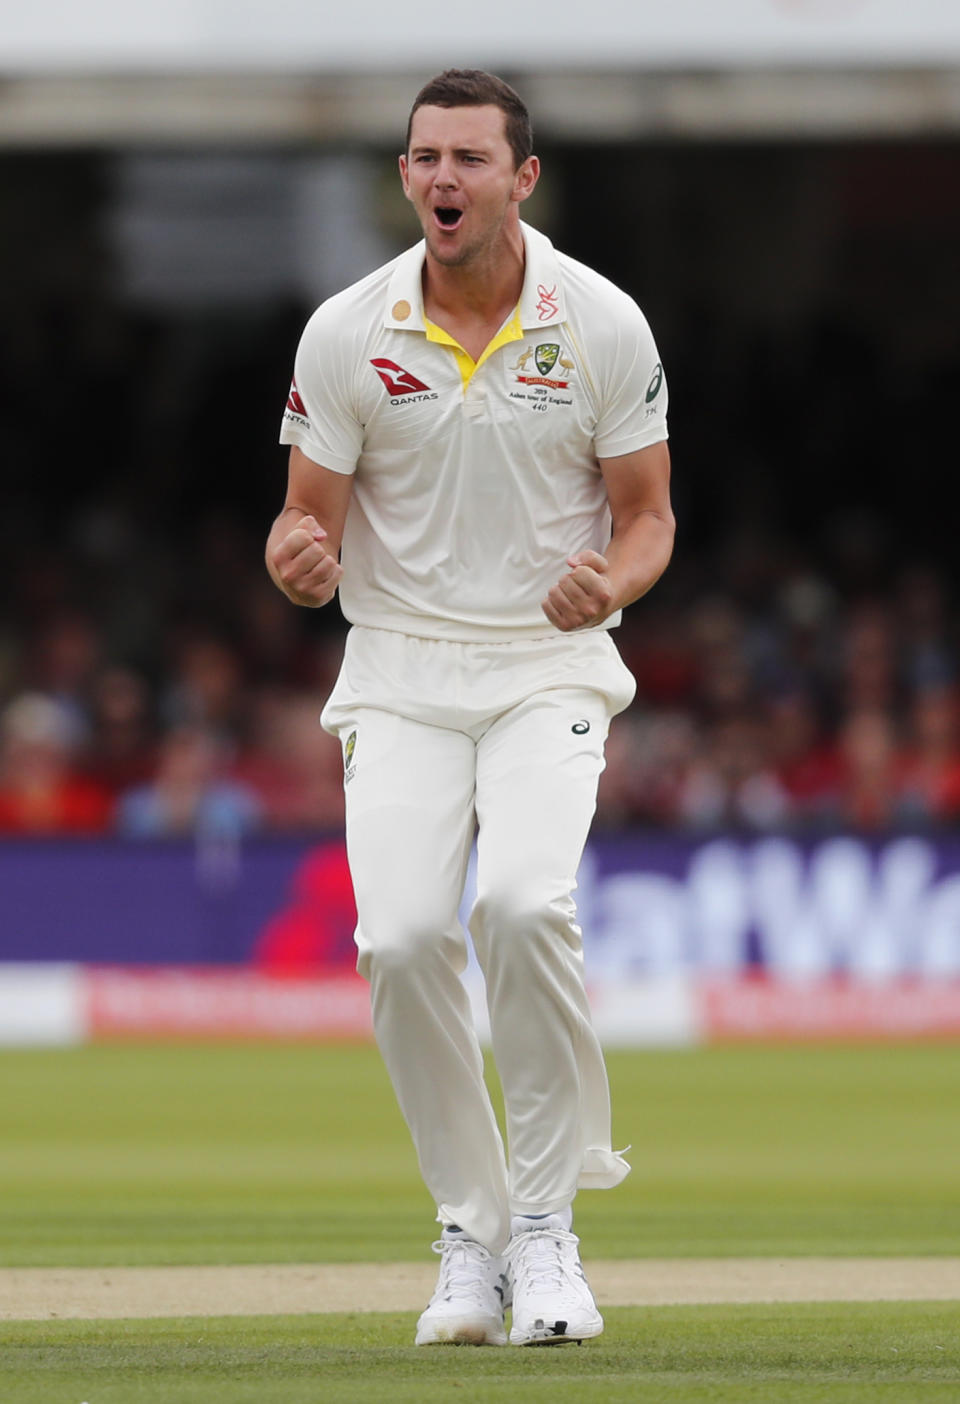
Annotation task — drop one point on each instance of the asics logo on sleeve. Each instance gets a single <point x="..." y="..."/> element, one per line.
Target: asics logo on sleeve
<point x="397" y="380"/>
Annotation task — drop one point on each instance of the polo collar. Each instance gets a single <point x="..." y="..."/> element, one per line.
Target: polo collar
<point x="404" y="304"/>
<point x="541" y="301"/>
<point x="541" y="298"/>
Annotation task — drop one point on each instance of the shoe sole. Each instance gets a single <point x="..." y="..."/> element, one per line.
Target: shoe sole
<point x="545" y="1334"/>
<point x="464" y="1334"/>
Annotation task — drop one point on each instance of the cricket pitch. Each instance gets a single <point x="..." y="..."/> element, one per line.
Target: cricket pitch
<point x="37" y="1294"/>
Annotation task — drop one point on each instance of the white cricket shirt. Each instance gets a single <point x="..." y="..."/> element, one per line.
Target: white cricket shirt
<point x="473" y="481"/>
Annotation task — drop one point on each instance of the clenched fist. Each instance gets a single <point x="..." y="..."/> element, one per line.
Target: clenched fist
<point x="583" y="597"/>
<point x="300" y="562"/>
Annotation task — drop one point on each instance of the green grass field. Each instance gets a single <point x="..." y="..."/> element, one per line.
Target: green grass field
<point x="140" y="1154"/>
<point x="888" y="1352"/>
<point x="274" y="1153"/>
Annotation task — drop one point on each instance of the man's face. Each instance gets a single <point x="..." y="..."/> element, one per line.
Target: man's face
<point x="459" y="176"/>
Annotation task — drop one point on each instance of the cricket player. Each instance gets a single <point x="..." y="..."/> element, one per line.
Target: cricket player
<point x="479" y="464"/>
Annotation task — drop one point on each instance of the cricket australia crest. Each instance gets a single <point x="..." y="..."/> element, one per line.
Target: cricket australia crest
<point x="349" y="769"/>
<point x="545" y="357"/>
<point x="554" y="368"/>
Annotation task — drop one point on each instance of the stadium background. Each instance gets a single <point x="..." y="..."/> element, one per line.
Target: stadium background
<point x="775" y="849"/>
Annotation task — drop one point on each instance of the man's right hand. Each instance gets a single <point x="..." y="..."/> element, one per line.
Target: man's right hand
<point x="300" y="563"/>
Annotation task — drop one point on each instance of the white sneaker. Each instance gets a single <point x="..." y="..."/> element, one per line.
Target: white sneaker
<point x="552" y="1301"/>
<point x="467" y="1306"/>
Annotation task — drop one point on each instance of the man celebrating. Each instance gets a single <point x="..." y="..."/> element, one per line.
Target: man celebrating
<point x="481" y="426"/>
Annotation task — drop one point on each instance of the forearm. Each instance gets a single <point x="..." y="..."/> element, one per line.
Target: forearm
<point x="638" y="554"/>
<point x="303" y="545"/>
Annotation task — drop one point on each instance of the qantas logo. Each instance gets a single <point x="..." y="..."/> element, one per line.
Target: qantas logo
<point x="397" y="380"/>
<point x="294" y="403"/>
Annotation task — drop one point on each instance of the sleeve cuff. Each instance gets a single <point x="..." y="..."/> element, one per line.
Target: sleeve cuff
<point x="616" y="448"/>
<point x="323" y="459"/>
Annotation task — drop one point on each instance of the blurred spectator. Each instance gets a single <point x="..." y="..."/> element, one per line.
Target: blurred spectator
<point x="620" y="793"/>
<point x="929" y="659"/>
<point x="62" y="664"/>
<point x="272" y="643"/>
<point x="206" y="687"/>
<point x="808" y="616"/>
<point x="931" y="782"/>
<point x="805" y="763"/>
<point x="191" y="794"/>
<point x="719" y="639"/>
<point x="659" y="651"/>
<point x="122" y="751"/>
<point x="668" y="748"/>
<point x="41" y="789"/>
<point x="731" y="785"/>
<point x="319" y="664"/>
<point x="869" y="660"/>
<point x="872" y="771"/>
<point x="294" y="766"/>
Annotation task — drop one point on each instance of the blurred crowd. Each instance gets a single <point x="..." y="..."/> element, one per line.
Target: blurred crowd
<point x="797" y="665"/>
<point x="147" y="719"/>
<point x="805" y="713"/>
<point x="775" y="702"/>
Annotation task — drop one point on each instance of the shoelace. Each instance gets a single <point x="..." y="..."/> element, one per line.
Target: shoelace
<point x="542" y="1258"/>
<point x="463" y="1268"/>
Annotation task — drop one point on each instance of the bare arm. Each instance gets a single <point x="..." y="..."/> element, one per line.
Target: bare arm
<point x="638" y="489"/>
<point x="303" y="547"/>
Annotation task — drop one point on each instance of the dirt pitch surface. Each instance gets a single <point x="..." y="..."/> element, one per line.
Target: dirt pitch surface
<point x="39" y="1294"/>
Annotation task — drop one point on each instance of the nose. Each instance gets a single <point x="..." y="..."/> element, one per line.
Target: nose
<point x="445" y="174"/>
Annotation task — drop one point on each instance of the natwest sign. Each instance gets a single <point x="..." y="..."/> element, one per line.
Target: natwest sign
<point x="842" y="905"/>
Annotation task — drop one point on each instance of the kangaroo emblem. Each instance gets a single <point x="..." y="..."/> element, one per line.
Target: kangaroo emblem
<point x="522" y="359"/>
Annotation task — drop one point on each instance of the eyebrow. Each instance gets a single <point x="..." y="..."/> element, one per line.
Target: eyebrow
<point x="425" y="148"/>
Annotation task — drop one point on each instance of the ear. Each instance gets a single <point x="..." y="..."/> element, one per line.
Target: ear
<point x="404" y="176"/>
<point x="525" y="179"/>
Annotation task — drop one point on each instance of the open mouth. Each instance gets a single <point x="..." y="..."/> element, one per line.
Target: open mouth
<point x="447" y="216"/>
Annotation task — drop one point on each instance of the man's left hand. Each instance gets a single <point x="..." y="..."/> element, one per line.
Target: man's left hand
<point x="583" y="597"/>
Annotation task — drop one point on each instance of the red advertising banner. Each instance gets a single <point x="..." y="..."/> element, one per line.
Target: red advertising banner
<point x="761" y="1008"/>
<point x="182" y="1002"/>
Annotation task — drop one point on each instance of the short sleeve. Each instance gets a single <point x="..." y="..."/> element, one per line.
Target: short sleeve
<point x="633" y="390"/>
<point x="320" y="416"/>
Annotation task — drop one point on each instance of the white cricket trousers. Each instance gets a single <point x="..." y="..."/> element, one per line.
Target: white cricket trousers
<point x="443" y="740"/>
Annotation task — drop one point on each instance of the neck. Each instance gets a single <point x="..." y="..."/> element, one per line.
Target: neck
<point x="485" y="287"/>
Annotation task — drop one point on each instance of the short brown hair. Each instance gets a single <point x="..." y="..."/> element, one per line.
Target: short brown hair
<point x="471" y="87"/>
